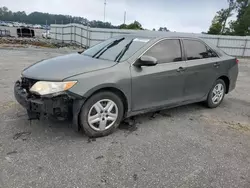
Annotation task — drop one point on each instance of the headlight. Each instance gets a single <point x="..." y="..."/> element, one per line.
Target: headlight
<point x="44" y="88"/>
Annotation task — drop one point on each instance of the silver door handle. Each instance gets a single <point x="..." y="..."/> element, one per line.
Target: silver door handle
<point x="216" y="65"/>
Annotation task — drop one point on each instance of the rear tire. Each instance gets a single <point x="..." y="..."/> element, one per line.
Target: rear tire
<point x="101" y="114"/>
<point x="216" y="94"/>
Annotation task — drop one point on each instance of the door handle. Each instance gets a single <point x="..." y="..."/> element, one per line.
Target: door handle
<point x="180" y="69"/>
<point x="216" y="65"/>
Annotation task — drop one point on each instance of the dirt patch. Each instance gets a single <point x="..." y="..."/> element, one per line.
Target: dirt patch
<point x="239" y="126"/>
<point x="14" y="42"/>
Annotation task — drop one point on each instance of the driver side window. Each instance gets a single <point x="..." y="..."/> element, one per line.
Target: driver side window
<point x="166" y="51"/>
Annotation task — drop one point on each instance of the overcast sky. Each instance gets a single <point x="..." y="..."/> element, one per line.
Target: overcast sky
<point x="177" y="15"/>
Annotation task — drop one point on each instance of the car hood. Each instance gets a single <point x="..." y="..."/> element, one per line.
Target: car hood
<point x="59" y="68"/>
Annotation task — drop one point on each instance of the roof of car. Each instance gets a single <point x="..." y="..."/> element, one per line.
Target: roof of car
<point x="160" y="34"/>
<point x="156" y="34"/>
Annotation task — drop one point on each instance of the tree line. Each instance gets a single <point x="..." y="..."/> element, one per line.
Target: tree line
<point x="241" y="26"/>
<point x="46" y="18"/>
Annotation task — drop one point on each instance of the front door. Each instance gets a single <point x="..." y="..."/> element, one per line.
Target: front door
<point x="162" y="84"/>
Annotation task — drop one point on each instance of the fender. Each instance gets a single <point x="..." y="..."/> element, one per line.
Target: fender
<point x="77" y="104"/>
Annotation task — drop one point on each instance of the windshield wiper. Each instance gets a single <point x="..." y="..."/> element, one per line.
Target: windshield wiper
<point x="125" y="49"/>
<point x="105" y="48"/>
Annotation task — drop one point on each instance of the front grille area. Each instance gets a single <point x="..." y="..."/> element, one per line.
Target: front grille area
<point x="27" y="83"/>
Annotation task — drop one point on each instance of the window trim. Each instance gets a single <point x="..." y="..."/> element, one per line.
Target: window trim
<point x="209" y="48"/>
<point x="162" y="39"/>
<point x="193" y="39"/>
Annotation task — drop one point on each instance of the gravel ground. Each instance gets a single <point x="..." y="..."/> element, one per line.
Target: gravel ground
<point x="189" y="146"/>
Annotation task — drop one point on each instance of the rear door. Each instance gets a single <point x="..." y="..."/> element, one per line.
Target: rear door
<point x="203" y="68"/>
<point x="162" y="84"/>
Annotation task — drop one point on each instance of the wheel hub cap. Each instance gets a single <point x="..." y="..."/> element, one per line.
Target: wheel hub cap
<point x="102" y="115"/>
<point x="218" y="93"/>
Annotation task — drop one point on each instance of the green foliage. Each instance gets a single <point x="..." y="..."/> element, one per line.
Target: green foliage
<point x="123" y="26"/>
<point x="163" y="29"/>
<point x="241" y="6"/>
<point x="135" y="26"/>
<point x="220" y="20"/>
<point x="238" y="27"/>
<point x="227" y="13"/>
<point x="242" y="24"/>
<point x="216" y="27"/>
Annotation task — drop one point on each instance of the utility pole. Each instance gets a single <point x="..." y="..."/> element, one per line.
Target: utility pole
<point x="249" y="5"/>
<point x="105" y="3"/>
<point x="125" y="14"/>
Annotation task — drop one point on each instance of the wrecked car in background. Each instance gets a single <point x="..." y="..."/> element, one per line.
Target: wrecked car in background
<point x="25" y="32"/>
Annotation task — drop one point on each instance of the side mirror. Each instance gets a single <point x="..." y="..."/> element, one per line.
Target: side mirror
<point x="146" y="61"/>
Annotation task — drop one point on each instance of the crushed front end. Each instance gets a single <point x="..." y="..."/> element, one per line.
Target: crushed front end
<point x="58" y="105"/>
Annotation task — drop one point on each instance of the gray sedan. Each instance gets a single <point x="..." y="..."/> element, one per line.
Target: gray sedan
<point x="124" y="76"/>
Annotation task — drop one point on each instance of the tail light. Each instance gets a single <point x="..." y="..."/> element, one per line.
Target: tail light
<point x="237" y="61"/>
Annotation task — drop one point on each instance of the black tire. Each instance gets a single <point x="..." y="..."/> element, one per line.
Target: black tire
<point x="83" y="117"/>
<point x="209" y="101"/>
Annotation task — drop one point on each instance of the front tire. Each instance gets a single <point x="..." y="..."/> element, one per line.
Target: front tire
<point x="101" y="114"/>
<point x="216" y="94"/>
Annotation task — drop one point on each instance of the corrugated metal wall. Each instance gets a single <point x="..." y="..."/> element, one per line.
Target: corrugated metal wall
<point x="86" y="36"/>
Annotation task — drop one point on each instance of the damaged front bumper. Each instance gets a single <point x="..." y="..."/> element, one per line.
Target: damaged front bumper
<point x="62" y="106"/>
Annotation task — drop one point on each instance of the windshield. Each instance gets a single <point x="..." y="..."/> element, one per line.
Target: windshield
<point x="116" y="49"/>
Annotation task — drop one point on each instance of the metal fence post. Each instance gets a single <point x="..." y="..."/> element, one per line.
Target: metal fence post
<point x="75" y="34"/>
<point x="62" y="34"/>
<point x="244" y="50"/>
<point x="88" y="37"/>
<point x="56" y="33"/>
<point x="81" y="37"/>
<point x="218" y="42"/>
<point x="70" y="34"/>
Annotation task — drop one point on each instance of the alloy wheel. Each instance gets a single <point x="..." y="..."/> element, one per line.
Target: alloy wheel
<point x="218" y="93"/>
<point x="102" y="115"/>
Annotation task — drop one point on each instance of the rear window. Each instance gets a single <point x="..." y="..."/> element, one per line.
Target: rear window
<point x="197" y="50"/>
